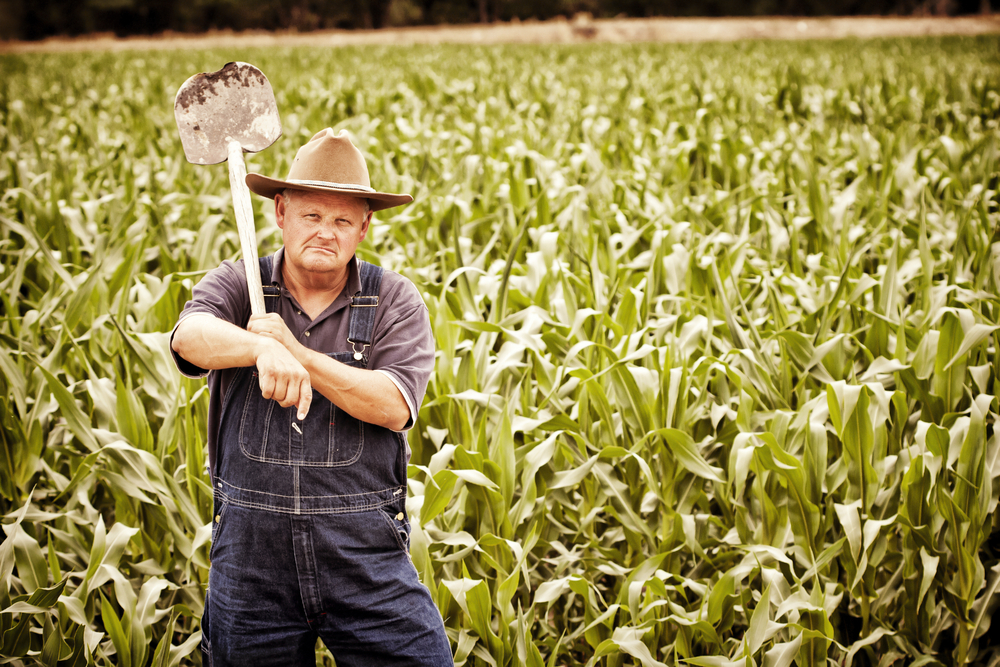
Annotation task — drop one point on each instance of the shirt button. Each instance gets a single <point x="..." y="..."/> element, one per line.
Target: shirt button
<point x="307" y="334"/>
<point x="300" y="312"/>
<point x="218" y="518"/>
<point x="399" y="517"/>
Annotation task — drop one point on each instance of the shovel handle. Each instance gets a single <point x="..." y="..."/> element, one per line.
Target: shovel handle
<point x="244" y="222"/>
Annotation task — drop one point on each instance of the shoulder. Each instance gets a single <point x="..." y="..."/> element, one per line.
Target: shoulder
<point x="228" y="275"/>
<point x="398" y="291"/>
<point x="401" y="310"/>
<point x="222" y="292"/>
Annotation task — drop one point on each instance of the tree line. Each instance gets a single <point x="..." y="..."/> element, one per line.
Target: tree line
<point x="45" y="18"/>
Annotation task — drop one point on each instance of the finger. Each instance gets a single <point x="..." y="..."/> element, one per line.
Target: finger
<point x="254" y="324"/>
<point x="305" y="399"/>
<point x="282" y="391"/>
<point x="291" y="394"/>
<point x="266" y="385"/>
<point x="261" y="329"/>
<point x="258" y="322"/>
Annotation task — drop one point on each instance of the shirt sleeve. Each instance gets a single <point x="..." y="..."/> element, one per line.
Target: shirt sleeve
<point x="222" y="293"/>
<point x="403" y="345"/>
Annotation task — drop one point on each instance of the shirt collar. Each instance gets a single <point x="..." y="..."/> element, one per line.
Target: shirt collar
<point x="353" y="285"/>
<point x="276" y="278"/>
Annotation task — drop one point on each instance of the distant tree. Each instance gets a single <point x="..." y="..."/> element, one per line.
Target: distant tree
<point x="11" y="27"/>
<point x="37" y="19"/>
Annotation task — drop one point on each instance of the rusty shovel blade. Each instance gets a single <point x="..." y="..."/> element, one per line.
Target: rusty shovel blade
<point x="216" y="108"/>
<point x="222" y="115"/>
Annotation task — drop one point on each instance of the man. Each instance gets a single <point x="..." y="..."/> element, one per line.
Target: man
<point x="308" y="459"/>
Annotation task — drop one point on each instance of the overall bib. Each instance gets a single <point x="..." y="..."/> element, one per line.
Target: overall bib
<point x="310" y="534"/>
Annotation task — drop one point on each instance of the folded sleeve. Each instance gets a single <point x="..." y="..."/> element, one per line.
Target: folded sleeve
<point x="403" y="345"/>
<point x="222" y="293"/>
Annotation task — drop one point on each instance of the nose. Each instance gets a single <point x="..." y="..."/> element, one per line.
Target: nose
<point x="326" y="232"/>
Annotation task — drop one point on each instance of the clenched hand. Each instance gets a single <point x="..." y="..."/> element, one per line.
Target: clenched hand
<point x="282" y="377"/>
<point x="272" y="326"/>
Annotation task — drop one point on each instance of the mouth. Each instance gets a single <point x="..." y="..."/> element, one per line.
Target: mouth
<point x="322" y="249"/>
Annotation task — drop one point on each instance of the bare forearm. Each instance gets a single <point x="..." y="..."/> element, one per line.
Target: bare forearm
<point x="366" y="395"/>
<point x="213" y="344"/>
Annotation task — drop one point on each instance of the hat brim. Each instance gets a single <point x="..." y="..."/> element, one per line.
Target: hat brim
<point x="377" y="201"/>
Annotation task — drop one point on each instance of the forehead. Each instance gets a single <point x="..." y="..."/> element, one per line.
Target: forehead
<point x="330" y="201"/>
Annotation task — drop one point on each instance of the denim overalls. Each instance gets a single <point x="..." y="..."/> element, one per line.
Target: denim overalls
<point x="310" y="534"/>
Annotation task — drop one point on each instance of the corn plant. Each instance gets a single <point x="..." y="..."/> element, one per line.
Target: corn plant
<point x="717" y="332"/>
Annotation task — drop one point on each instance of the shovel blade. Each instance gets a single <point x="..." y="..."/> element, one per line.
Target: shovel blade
<point x="215" y="108"/>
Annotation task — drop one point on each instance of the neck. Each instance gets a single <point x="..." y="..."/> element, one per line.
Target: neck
<point x="314" y="292"/>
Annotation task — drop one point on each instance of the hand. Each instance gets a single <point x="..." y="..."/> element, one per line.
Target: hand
<point x="282" y="377"/>
<point x="272" y="326"/>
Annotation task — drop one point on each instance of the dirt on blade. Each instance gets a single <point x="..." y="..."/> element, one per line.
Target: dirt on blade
<point x="580" y="29"/>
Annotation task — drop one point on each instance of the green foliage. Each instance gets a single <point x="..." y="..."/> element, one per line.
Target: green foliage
<point x="717" y="332"/>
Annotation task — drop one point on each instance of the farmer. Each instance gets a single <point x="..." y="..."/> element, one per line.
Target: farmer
<point x="308" y="409"/>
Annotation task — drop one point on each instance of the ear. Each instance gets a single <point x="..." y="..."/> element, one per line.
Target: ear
<point x="364" y="226"/>
<point x="279" y="210"/>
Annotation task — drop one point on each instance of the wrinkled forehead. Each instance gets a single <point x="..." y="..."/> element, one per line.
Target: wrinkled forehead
<point x="327" y="201"/>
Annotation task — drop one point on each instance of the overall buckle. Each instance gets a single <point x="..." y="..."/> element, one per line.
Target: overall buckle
<point x="357" y="353"/>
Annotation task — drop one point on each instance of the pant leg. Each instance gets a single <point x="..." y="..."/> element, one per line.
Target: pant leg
<point x="253" y="612"/>
<point x="375" y="610"/>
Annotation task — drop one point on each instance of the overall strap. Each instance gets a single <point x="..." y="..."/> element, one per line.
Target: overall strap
<point x="266" y="264"/>
<point x="363" y="308"/>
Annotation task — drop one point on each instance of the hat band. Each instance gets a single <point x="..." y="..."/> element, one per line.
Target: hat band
<point x="328" y="184"/>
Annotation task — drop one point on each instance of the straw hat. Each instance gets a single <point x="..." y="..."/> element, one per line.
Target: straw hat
<point x="328" y="163"/>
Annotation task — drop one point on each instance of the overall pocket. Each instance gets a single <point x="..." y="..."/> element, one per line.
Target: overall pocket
<point x="397" y="521"/>
<point x="269" y="433"/>
<point x="221" y="504"/>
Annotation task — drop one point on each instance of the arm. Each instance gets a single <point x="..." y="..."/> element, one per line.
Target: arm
<point x="213" y="344"/>
<point x="366" y="395"/>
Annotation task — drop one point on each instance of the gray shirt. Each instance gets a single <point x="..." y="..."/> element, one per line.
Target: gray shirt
<point x="402" y="342"/>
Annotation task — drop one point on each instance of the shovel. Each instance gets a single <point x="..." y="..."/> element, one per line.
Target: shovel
<point x="220" y="116"/>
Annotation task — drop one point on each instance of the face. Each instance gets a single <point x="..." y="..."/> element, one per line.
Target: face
<point x="320" y="232"/>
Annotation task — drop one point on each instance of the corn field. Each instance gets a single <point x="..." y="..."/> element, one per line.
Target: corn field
<point x="718" y="332"/>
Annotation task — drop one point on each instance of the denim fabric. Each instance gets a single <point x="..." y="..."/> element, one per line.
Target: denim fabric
<point x="278" y="581"/>
<point x="310" y="538"/>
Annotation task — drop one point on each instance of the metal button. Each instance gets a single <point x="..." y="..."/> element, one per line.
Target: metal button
<point x="399" y="517"/>
<point x="307" y="333"/>
<point x="218" y="518"/>
<point x="300" y="312"/>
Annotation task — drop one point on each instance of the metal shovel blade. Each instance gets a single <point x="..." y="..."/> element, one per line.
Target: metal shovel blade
<point x="216" y="108"/>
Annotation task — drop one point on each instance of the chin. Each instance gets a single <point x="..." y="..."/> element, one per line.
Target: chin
<point x="312" y="256"/>
<point x="320" y="267"/>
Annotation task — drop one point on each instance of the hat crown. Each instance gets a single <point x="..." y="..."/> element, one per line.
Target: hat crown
<point x="328" y="163"/>
<point x="330" y="158"/>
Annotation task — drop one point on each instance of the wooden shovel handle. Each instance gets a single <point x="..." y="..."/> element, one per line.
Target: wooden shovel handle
<point x="244" y="222"/>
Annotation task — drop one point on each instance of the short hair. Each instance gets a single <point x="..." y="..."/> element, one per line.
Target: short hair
<point x="287" y="194"/>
